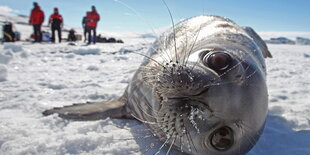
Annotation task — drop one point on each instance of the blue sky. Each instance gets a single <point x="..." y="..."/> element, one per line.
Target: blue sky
<point x="262" y="15"/>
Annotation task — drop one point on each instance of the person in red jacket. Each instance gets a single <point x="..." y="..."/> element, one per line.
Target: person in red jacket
<point x="56" y="22"/>
<point x="36" y="19"/>
<point x="92" y="19"/>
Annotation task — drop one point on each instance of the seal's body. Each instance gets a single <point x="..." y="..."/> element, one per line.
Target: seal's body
<point x="201" y="89"/>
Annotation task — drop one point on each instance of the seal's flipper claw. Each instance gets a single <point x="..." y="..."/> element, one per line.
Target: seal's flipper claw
<point x="92" y="110"/>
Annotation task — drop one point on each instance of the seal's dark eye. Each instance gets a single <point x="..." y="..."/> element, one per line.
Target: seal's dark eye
<point x="222" y="139"/>
<point x="218" y="61"/>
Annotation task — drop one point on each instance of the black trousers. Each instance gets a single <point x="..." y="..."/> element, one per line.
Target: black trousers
<point x="85" y="33"/>
<point x="90" y="38"/>
<point x="37" y="33"/>
<point x="58" y="29"/>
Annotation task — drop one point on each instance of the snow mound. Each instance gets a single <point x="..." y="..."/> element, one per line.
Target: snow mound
<point x="87" y="51"/>
<point x="92" y="68"/>
<point x="56" y="86"/>
<point x="15" y="48"/>
<point x="5" y="57"/>
<point x="3" y="73"/>
<point x="281" y="132"/>
<point x="302" y="41"/>
<point x="280" y="40"/>
<point x="97" y="96"/>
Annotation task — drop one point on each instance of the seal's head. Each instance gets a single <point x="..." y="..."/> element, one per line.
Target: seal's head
<point x="214" y="99"/>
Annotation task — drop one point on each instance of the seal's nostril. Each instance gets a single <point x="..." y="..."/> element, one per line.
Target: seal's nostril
<point x="222" y="139"/>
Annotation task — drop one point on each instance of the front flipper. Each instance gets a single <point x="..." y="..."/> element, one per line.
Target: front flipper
<point x="92" y="110"/>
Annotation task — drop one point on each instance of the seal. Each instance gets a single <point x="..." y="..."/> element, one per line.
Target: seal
<point x="201" y="89"/>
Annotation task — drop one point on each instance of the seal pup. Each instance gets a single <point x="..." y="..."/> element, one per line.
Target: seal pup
<point x="201" y="89"/>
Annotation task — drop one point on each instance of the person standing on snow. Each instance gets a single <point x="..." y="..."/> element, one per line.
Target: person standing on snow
<point x="56" y="22"/>
<point x="84" y="25"/>
<point x="36" y="20"/>
<point x="92" y="20"/>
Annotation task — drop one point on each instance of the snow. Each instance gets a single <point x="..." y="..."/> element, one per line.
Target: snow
<point x="287" y="129"/>
<point x="3" y="73"/>
<point x="47" y="78"/>
<point x="36" y="77"/>
<point x="57" y="74"/>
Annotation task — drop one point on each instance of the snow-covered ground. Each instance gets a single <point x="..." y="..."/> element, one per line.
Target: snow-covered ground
<point x="36" y="77"/>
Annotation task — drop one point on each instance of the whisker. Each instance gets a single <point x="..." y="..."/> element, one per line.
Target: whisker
<point x="190" y="141"/>
<point x="160" y="52"/>
<point x="189" y="134"/>
<point x="249" y="76"/>
<point x="174" y="32"/>
<point x="152" y="145"/>
<point x="137" y="14"/>
<point x="203" y="7"/>
<point x="161" y="147"/>
<point x="144" y="20"/>
<point x="231" y="68"/>
<point x="170" y="146"/>
<point x="193" y="45"/>
<point x="181" y="143"/>
<point x="186" y="48"/>
<point x="143" y="110"/>
<point x="143" y="121"/>
<point x="149" y="58"/>
<point x="251" y="139"/>
<point x="133" y="138"/>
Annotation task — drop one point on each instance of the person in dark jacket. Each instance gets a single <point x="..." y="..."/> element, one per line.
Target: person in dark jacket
<point x="36" y="20"/>
<point x="84" y="25"/>
<point x="71" y="35"/>
<point x="56" y="22"/>
<point x="92" y="20"/>
<point x="8" y="34"/>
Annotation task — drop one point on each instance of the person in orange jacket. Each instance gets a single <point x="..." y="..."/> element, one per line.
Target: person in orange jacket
<point x="56" y="22"/>
<point x="36" y="20"/>
<point x="92" y="20"/>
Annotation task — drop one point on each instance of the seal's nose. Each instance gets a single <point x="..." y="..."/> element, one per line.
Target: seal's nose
<point x="222" y="138"/>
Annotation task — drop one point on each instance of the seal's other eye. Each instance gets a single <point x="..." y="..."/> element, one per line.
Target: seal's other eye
<point x="217" y="61"/>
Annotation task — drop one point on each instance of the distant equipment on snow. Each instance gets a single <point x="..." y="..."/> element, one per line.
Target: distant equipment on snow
<point x="8" y="34"/>
<point x="108" y="40"/>
<point x="46" y="37"/>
